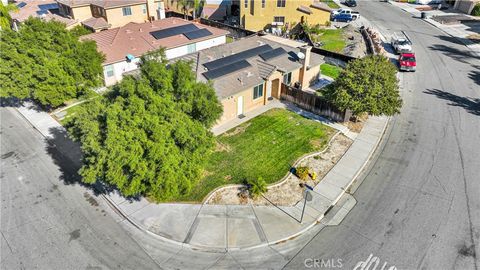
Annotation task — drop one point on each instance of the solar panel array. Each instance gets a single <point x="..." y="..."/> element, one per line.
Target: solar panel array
<point x="272" y="54"/>
<point x="226" y="69"/>
<point x="173" y="31"/>
<point x="198" y="34"/>
<point x="237" y="57"/>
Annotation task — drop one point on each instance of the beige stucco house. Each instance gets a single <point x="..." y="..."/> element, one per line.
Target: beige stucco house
<point x="249" y="73"/>
<point x="104" y="14"/>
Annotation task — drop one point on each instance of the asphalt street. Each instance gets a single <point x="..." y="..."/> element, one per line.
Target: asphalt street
<point x="46" y="224"/>
<point x="418" y="206"/>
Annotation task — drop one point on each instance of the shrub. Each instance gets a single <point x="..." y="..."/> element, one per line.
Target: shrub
<point x="302" y="172"/>
<point x="313" y="175"/>
<point x="257" y="186"/>
<point x="476" y="10"/>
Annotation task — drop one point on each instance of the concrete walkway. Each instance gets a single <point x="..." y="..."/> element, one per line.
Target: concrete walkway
<point x="232" y="227"/>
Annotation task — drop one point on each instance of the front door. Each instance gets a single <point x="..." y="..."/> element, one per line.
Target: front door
<point x="239" y="105"/>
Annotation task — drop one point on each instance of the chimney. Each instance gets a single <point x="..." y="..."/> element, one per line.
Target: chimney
<point x="306" y="50"/>
<point x="305" y="80"/>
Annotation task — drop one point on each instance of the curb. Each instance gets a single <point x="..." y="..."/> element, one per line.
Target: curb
<point x="124" y="216"/>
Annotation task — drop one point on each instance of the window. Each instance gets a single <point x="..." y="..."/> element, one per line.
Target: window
<point x="246" y="3"/>
<point x="127" y="11"/>
<point x="279" y="19"/>
<point x="281" y="3"/>
<point x="287" y="78"/>
<point x="263" y="3"/>
<point x="109" y="71"/>
<point x="258" y="91"/>
<point x="144" y="8"/>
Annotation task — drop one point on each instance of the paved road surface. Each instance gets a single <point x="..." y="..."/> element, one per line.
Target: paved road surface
<point x="419" y="206"/>
<point x="48" y="225"/>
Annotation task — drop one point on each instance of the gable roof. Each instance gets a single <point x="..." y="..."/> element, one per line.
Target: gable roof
<point x="106" y="4"/>
<point x="257" y="72"/>
<point x="136" y="38"/>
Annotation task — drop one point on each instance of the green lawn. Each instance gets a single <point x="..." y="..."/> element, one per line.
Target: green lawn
<point x="330" y="70"/>
<point x="70" y="112"/>
<point x="332" y="39"/>
<point x="265" y="146"/>
<point x="331" y="4"/>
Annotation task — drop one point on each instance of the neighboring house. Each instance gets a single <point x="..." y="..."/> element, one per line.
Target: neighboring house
<point x="216" y="10"/>
<point x="250" y="72"/>
<point x="104" y="14"/>
<point x="274" y="15"/>
<point x="123" y="46"/>
<point x="44" y="9"/>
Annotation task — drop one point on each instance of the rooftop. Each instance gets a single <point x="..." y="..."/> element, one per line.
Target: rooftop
<point x="45" y="9"/>
<point x="137" y="38"/>
<point x="256" y="59"/>
<point x="101" y="3"/>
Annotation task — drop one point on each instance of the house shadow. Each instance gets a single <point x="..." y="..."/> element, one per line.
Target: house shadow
<point x="471" y="105"/>
<point x="67" y="155"/>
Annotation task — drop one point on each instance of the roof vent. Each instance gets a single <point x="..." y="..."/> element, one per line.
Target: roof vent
<point x="249" y="74"/>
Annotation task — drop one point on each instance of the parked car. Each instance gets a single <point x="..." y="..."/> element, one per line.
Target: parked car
<point x="350" y="3"/>
<point x="344" y="14"/>
<point x="401" y="43"/>
<point x="407" y="62"/>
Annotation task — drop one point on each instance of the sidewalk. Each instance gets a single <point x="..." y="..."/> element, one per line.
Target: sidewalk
<point x="458" y="31"/>
<point x="230" y="227"/>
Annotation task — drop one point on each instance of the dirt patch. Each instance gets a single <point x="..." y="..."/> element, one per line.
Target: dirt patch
<point x="356" y="46"/>
<point x="237" y="130"/>
<point x="289" y="192"/>
<point x="357" y="125"/>
<point x="222" y="147"/>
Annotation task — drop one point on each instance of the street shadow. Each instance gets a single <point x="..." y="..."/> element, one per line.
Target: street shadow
<point x="475" y="75"/>
<point x="67" y="155"/>
<point x="463" y="55"/>
<point x="471" y="105"/>
<point x="27" y="103"/>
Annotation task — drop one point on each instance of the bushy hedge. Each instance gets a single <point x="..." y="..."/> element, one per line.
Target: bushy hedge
<point x="476" y="10"/>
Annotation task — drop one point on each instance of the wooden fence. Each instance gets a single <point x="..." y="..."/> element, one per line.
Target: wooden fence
<point x="313" y="103"/>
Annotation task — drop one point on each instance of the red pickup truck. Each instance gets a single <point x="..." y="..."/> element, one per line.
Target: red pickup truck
<point x="407" y="62"/>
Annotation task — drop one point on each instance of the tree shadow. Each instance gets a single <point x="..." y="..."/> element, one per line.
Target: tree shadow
<point x="475" y="75"/>
<point x="471" y="105"/>
<point x="457" y="54"/>
<point x="67" y="155"/>
<point x="17" y="103"/>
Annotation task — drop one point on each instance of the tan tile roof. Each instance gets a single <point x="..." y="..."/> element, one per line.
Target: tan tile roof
<point x="96" y="23"/>
<point x="75" y="3"/>
<point x="135" y="38"/>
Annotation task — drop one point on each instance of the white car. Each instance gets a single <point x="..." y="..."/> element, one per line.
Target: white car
<point x="401" y="43"/>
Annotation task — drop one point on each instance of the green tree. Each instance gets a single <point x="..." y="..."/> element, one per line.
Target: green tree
<point x="257" y="186"/>
<point x="367" y="85"/>
<point x="80" y="30"/>
<point x="142" y="138"/>
<point x="47" y="63"/>
<point x="5" y="17"/>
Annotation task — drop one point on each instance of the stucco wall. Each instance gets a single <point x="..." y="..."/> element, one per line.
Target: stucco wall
<point x="82" y="13"/>
<point x="116" y="19"/>
<point x="230" y="104"/>
<point x="257" y="18"/>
